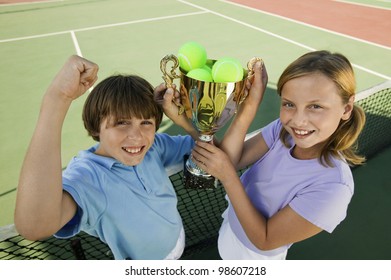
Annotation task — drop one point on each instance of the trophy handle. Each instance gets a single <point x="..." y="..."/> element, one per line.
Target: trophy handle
<point x="250" y="67"/>
<point x="169" y="76"/>
<point x="251" y="64"/>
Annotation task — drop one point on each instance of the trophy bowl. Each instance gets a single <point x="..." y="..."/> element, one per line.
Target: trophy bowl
<point x="209" y="106"/>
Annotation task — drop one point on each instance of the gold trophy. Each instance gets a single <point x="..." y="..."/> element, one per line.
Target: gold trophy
<point x="209" y="106"/>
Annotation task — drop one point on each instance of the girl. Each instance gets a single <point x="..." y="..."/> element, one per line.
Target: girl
<point x="299" y="182"/>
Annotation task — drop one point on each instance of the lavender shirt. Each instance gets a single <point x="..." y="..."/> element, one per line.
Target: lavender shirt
<point x="317" y="193"/>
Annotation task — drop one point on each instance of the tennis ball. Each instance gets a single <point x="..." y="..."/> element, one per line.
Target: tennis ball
<point x="200" y="74"/>
<point x="207" y="68"/>
<point x="226" y="70"/>
<point x="191" y="55"/>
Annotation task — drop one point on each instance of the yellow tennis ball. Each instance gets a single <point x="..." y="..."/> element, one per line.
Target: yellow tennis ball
<point x="227" y="70"/>
<point x="200" y="74"/>
<point x="191" y="55"/>
<point x="207" y="68"/>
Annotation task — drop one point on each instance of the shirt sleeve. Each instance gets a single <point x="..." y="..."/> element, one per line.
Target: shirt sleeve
<point x="172" y="149"/>
<point x="271" y="132"/>
<point x="72" y="227"/>
<point x="325" y="205"/>
<point x="80" y="183"/>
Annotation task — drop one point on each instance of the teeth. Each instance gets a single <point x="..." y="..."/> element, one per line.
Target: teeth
<point x="132" y="150"/>
<point x="302" y="132"/>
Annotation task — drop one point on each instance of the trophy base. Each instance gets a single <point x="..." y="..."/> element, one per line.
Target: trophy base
<point x="192" y="181"/>
<point x="196" y="178"/>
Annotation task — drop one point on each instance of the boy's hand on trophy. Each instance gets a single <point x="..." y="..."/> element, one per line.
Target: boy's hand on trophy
<point x="169" y="98"/>
<point x="159" y="93"/>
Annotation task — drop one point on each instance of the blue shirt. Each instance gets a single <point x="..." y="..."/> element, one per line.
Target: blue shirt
<point x="131" y="208"/>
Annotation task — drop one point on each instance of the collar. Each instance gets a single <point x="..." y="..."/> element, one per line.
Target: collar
<point x="108" y="162"/>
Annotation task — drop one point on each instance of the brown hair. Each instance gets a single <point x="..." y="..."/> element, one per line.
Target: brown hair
<point x="343" y="142"/>
<point x="120" y="97"/>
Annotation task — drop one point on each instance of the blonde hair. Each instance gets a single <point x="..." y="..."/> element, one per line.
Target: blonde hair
<point x="343" y="142"/>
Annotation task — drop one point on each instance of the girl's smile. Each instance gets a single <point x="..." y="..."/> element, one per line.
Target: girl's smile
<point x="311" y="110"/>
<point x="302" y="133"/>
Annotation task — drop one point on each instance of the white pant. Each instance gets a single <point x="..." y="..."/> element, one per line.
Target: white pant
<point x="231" y="248"/>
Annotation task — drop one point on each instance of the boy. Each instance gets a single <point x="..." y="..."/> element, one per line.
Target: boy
<point x="117" y="190"/>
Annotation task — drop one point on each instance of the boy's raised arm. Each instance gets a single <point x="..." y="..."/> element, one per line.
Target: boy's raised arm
<point x="42" y="207"/>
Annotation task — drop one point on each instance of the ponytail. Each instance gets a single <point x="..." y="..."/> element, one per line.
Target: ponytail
<point x="343" y="143"/>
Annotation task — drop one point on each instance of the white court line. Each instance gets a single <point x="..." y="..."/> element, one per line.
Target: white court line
<point x="308" y="25"/>
<point x="76" y="44"/>
<point x="34" y="36"/>
<point x="364" y="5"/>
<point x="99" y="27"/>
<point x="78" y="50"/>
<point x="277" y="36"/>
<point x="204" y="10"/>
<point x="248" y="25"/>
<point x="30" y="3"/>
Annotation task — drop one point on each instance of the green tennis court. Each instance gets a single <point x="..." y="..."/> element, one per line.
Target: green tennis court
<point x="132" y="37"/>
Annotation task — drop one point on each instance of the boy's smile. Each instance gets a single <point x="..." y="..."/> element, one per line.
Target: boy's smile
<point x="127" y="140"/>
<point x="132" y="150"/>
